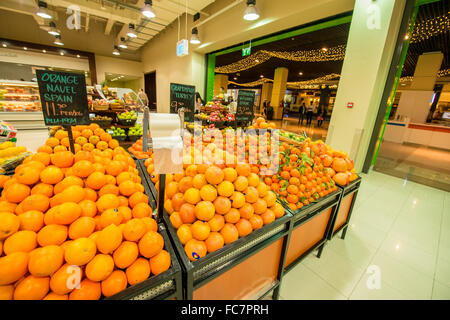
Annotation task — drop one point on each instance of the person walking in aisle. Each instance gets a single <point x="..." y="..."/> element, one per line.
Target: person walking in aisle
<point x="143" y="96"/>
<point x="309" y="113"/>
<point x="321" y="116"/>
<point x="302" y="112"/>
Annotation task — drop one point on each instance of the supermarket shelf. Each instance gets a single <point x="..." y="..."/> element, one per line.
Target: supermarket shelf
<point x="20" y="101"/>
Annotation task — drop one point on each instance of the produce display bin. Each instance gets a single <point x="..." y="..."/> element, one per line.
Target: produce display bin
<point x="310" y="229"/>
<point x="119" y="138"/>
<point x="149" y="183"/>
<point x="248" y="268"/>
<point x="347" y="202"/>
<point x="167" y="285"/>
<point x="127" y="122"/>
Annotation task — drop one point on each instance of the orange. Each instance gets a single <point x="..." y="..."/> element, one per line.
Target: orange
<point x="110" y="216"/>
<point x="100" y="267"/>
<point x="270" y="198"/>
<point x="204" y="210"/>
<point x="81" y="228"/>
<point x="124" y="176"/>
<point x="208" y="193"/>
<point x="262" y="189"/>
<point x="59" y="149"/>
<point x="246" y="211"/>
<point x="89" y="290"/>
<point x="187" y="213"/>
<point x="9" y="224"/>
<point x="63" y="159"/>
<point x="8" y="206"/>
<point x="21" y="241"/>
<point x="3" y="179"/>
<point x="225" y="188"/>
<point x="113" y="143"/>
<point x="109" y="188"/>
<point x="13" y="267"/>
<point x="160" y="262"/>
<point x="66" y="213"/>
<point x="138" y="271"/>
<point x="244" y="227"/>
<point x="192" y="196"/>
<point x="53" y="234"/>
<point x="214" y="242"/>
<point x="200" y="230"/>
<point x="83" y="168"/>
<point x="116" y="282"/>
<point x="127" y="188"/>
<point x="126" y="254"/>
<point x="67" y="182"/>
<point x="136" y="198"/>
<point x="184" y="184"/>
<point x="42" y="157"/>
<point x="6" y="292"/>
<point x="243" y="169"/>
<point x="171" y="189"/>
<point x="52" y="142"/>
<point x="31" y="220"/>
<point x="195" y="249"/>
<point x="251" y="194"/>
<point x="45" y="261"/>
<point x="88" y="208"/>
<point x="241" y="183"/>
<point x="107" y="201"/>
<point x="253" y="179"/>
<point x="199" y="181"/>
<point x="260" y="206"/>
<point x="16" y="192"/>
<point x="45" y="149"/>
<point x="222" y="205"/>
<point x="229" y="233"/>
<point x="151" y="244"/>
<point x="256" y="222"/>
<point x="51" y="175"/>
<point x="237" y="200"/>
<point x="216" y="223"/>
<point x="123" y="202"/>
<point x="214" y="175"/>
<point x="232" y="216"/>
<point x="65" y="279"/>
<point x="28" y="175"/>
<point x="32" y="288"/>
<point x="54" y="296"/>
<point x="83" y="155"/>
<point x="114" y="168"/>
<point x="184" y="233"/>
<point x="230" y="174"/>
<point x="191" y="170"/>
<point x="43" y="188"/>
<point x="268" y="216"/>
<point x="134" y="230"/>
<point x="278" y="210"/>
<point x="80" y="251"/>
<point x="105" y="137"/>
<point x="176" y="220"/>
<point x="87" y="133"/>
<point x="150" y="224"/>
<point x="141" y="210"/>
<point x="109" y="239"/>
<point x="37" y="202"/>
<point x="96" y="180"/>
<point x="90" y="194"/>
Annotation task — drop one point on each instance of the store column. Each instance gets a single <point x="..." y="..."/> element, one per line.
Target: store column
<point x="220" y="81"/>
<point x="266" y="93"/>
<point x="278" y="91"/>
<point x="415" y="102"/>
<point x="370" y="47"/>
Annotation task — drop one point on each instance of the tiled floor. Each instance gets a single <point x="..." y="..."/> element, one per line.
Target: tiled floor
<point x="397" y="247"/>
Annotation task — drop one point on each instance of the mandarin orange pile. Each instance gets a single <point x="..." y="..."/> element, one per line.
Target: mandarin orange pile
<point x="137" y="151"/>
<point x="261" y="123"/>
<point x="214" y="205"/>
<point x="86" y="137"/>
<point x="309" y="173"/>
<point x="68" y="217"/>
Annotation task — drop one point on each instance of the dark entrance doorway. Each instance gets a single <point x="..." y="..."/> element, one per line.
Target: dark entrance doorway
<point x="150" y="89"/>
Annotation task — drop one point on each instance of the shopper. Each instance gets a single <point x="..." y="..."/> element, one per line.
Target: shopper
<point x="309" y="113"/>
<point x="143" y="96"/>
<point x="198" y="102"/>
<point x="302" y="112"/>
<point x="321" y="116"/>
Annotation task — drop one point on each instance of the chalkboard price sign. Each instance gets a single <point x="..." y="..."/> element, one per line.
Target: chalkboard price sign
<point x="63" y="98"/>
<point x="183" y="96"/>
<point x="246" y="100"/>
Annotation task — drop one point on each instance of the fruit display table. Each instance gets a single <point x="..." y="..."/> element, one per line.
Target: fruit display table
<point x="346" y="205"/>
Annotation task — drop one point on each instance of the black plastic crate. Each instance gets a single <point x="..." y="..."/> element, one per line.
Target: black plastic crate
<point x="348" y="190"/>
<point x="119" y="138"/>
<point x="127" y="122"/>
<point x="133" y="138"/>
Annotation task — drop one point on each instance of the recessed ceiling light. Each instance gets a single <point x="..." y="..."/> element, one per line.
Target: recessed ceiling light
<point x="58" y="41"/>
<point x="300" y="73"/>
<point x="25" y="48"/>
<point x="61" y="53"/>
<point x="251" y="13"/>
<point x="131" y="33"/>
<point x="122" y="44"/>
<point x="261" y="76"/>
<point x="147" y="10"/>
<point x="44" y="51"/>
<point x="43" y="11"/>
<point x="5" y="45"/>
<point x="78" y="55"/>
<point x="324" y="49"/>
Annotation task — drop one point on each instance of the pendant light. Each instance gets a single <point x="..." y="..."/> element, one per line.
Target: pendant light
<point x="43" y="11"/>
<point x="122" y="43"/>
<point x="131" y="33"/>
<point x="58" y="41"/>
<point x="147" y="10"/>
<point x="116" y="51"/>
<point x="194" y="37"/>
<point x="53" y="31"/>
<point x="251" y="13"/>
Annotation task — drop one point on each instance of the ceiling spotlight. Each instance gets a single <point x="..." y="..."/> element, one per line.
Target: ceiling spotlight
<point x="43" y="11"/>
<point x="300" y="73"/>
<point x="261" y="76"/>
<point x="194" y="37"/>
<point x="25" y="48"/>
<point x="44" y="51"/>
<point x="122" y="44"/>
<point x="53" y="31"/>
<point x="147" y="10"/>
<point x="131" y="33"/>
<point x="324" y="49"/>
<point x="251" y="13"/>
<point x="4" y="45"/>
<point x="116" y="51"/>
<point x="78" y="55"/>
<point x="61" y="53"/>
<point x="58" y="41"/>
<point x="407" y="37"/>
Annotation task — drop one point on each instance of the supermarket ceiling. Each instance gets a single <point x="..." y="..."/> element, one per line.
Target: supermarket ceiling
<point x="114" y="16"/>
<point x="431" y="33"/>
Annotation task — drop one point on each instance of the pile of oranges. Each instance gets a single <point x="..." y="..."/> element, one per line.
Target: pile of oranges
<point x="261" y="123"/>
<point x="214" y="205"/>
<point x="86" y="138"/>
<point x="137" y="151"/>
<point x="310" y="172"/>
<point x="76" y="226"/>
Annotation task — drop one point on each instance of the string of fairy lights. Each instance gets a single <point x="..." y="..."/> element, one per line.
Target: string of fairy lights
<point x="430" y="28"/>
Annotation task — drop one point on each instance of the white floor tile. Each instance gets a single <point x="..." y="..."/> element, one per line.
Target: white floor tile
<point x="367" y="233"/>
<point x="441" y="291"/>
<point x="385" y="292"/>
<point x="303" y="284"/>
<point x="443" y="270"/>
<point x="353" y="249"/>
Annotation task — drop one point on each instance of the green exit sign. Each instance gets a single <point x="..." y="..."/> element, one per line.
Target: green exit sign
<point x="246" y="51"/>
